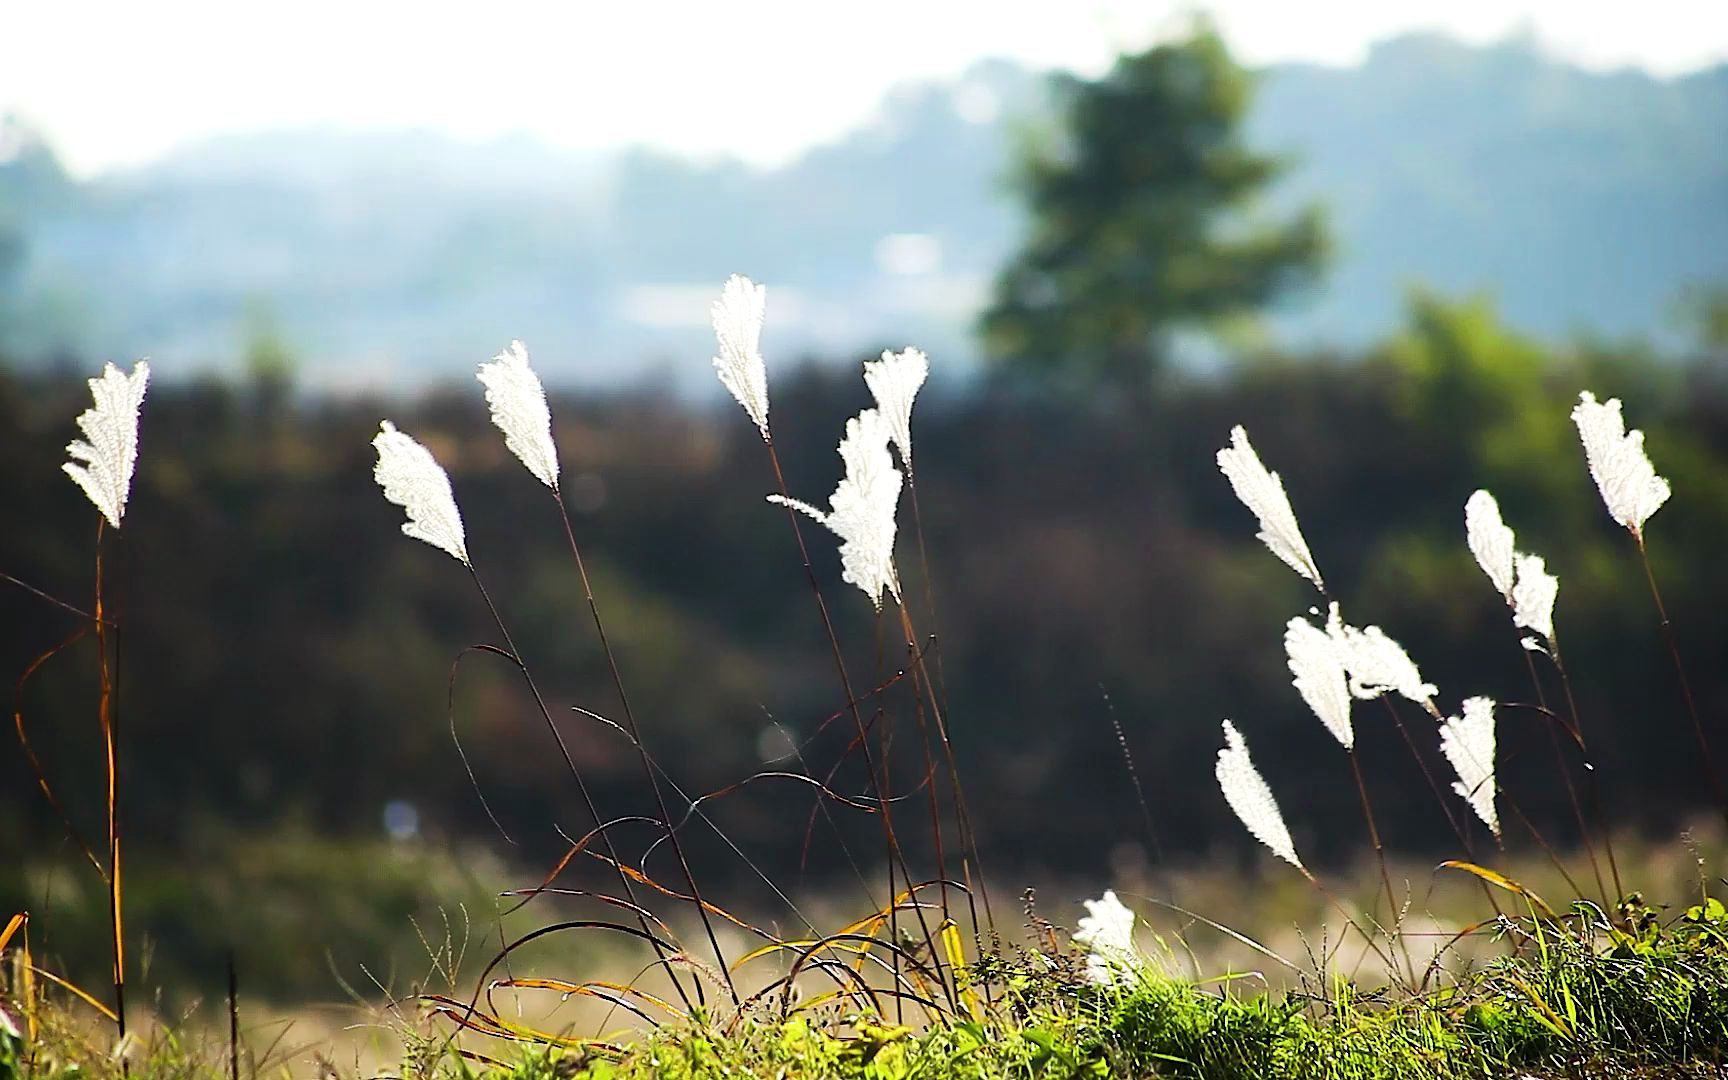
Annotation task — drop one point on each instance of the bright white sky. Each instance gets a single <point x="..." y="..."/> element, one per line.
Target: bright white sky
<point x="119" y="82"/>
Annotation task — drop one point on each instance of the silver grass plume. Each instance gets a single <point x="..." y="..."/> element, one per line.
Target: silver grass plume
<point x="518" y="405"/>
<point x="862" y="507"/>
<point x="1628" y="482"/>
<point x="1522" y="578"/>
<point x="412" y="479"/>
<point x="737" y="319"/>
<point x="1252" y="800"/>
<point x="1263" y="492"/>
<point x="894" y="381"/>
<point x="1533" y="597"/>
<point x="1107" y="932"/>
<point x="1317" y="664"/>
<point x="1376" y="663"/>
<point x="1490" y="540"/>
<point x="1468" y="743"/>
<point x="109" y="449"/>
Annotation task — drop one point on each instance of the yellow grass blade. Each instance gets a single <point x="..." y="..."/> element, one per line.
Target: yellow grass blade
<point x="81" y="994"/>
<point x="1500" y="881"/>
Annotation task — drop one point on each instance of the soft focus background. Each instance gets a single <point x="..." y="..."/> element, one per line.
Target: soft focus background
<point x="1394" y="248"/>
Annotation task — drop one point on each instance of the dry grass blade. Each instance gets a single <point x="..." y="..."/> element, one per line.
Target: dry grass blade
<point x="1501" y="881"/>
<point x="78" y="992"/>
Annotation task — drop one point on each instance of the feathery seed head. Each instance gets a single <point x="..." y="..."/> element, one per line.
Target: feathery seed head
<point x="1249" y="796"/>
<point x="109" y="449"/>
<point x="518" y="405"/>
<point x="1107" y="932"/>
<point x="1533" y="597"/>
<point x="1318" y="666"/>
<point x="412" y="479"/>
<point x="1376" y="663"/>
<point x="894" y="381"/>
<point x="861" y="510"/>
<point x="1468" y="743"/>
<point x="1491" y="541"/>
<point x="737" y="317"/>
<point x="1628" y="482"/>
<point x="1263" y="492"/>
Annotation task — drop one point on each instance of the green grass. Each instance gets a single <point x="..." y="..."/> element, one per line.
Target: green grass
<point x="1571" y="997"/>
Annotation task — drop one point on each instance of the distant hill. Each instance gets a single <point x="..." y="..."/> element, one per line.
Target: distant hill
<point x="1586" y="201"/>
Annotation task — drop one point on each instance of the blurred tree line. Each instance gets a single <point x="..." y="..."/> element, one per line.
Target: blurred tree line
<point x="290" y="658"/>
<point x="287" y="653"/>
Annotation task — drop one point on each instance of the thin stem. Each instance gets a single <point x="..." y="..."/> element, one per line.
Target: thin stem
<point x="582" y="789"/>
<point x="1591" y="786"/>
<point x="968" y="838"/>
<point x="1708" y="759"/>
<point x="1566" y="776"/>
<point x="110" y="744"/>
<point x="890" y="840"/>
<point x="642" y="751"/>
<point x="1392" y="911"/>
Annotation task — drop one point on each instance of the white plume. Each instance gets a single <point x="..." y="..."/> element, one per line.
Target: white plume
<point x="894" y="381"/>
<point x="518" y="404"/>
<point x="109" y="449"/>
<point x="862" y="507"/>
<point x="1468" y="743"/>
<point x="1628" y="482"/>
<point x="1318" y="666"/>
<point x="737" y="319"/>
<point x="1522" y="578"/>
<point x="1249" y="796"/>
<point x="1491" y="541"/>
<point x="1533" y="597"/>
<point x="1107" y="932"/>
<point x="1376" y="663"/>
<point x="1263" y="493"/>
<point x="412" y="479"/>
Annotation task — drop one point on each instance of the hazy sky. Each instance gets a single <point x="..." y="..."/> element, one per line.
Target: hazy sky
<point x="121" y="82"/>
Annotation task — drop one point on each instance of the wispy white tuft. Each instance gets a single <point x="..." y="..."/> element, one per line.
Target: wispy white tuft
<point x="1317" y="663"/>
<point x="1252" y="800"/>
<point x="862" y="507"/>
<point x="412" y="479"/>
<point x="894" y="381"/>
<point x="1533" y="597"/>
<point x="1628" y="482"/>
<point x="738" y="327"/>
<point x="518" y="404"/>
<point x="1263" y="493"/>
<point x="1491" y="541"/>
<point x="1376" y="663"/>
<point x="1468" y="743"/>
<point x="1523" y="579"/>
<point x="109" y="449"/>
<point x="1107" y="932"/>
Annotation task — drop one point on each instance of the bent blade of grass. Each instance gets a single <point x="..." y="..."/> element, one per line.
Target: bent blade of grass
<point x="1500" y="880"/>
<point x="1235" y="935"/>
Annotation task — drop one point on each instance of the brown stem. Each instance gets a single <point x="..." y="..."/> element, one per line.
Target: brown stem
<point x="890" y="840"/>
<point x="110" y="745"/>
<point x="1566" y="777"/>
<point x="1708" y="759"/>
<point x="582" y="789"/>
<point x="642" y="751"/>
<point x="1392" y="910"/>
<point x="1591" y="787"/>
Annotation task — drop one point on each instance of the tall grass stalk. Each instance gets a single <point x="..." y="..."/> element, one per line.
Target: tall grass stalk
<point x="106" y="714"/>
<point x="600" y="823"/>
<point x="642" y="751"/>
<point x="1706" y="756"/>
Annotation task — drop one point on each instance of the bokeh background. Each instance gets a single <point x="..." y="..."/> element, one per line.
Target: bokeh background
<point x="1393" y="246"/>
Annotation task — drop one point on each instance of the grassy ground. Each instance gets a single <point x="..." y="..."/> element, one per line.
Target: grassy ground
<point x="1580" y="992"/>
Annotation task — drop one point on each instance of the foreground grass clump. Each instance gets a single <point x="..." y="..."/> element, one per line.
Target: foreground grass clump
<point x="1577" y="998"/>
